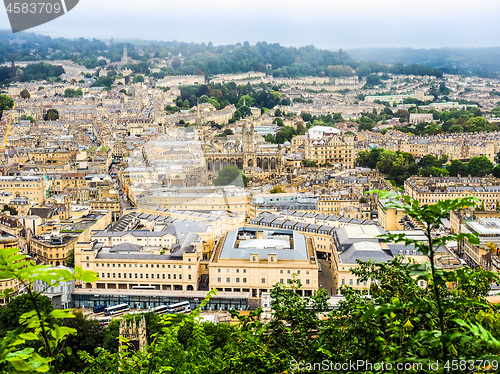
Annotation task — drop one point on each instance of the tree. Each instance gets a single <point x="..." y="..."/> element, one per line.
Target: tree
<point x="277" y="189"/>
<point x="38" y="326"/>
<point x="25" y="94"/>
<point x="496" y="171"/>
<point x="479" y="166"/>
<point x="69" y="92"/>
<point x="11" y="209"/>
<point x="301" y="129"/>
<point x="245" y="100"/>
<point x="433" y="171"/>
<point x="138" y="79"/>
<point x="456" y="168"/>
<point x="89" y="335"/>
<point x="456" y="128"/>
<point x="431" y="216"/>
<point x="285" y="134"/>
<point x="51" y="115"/>
<point x="386" y="161"/>
<point x="429" y="160"/>
<point x="278" y="121"/>
<point x="6" y="103"/>
<point x="16" y="307"/>
<point x="270" y="138"/>
<point x="373" y="80"/>
<point x="230" y="175"/>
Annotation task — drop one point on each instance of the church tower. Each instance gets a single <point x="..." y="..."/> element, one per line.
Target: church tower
<point x="248" y="145"/>
<point x="125" y="55"/>
<point x="134" y="332"/>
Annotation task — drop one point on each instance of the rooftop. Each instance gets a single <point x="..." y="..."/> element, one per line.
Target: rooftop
<point x="241" y="243"/>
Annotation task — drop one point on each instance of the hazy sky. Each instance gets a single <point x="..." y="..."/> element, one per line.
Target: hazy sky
<point x="329" y="24"/>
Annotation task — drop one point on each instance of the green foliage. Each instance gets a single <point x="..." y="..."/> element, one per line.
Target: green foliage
<point x="6" y="103"/>
<point x="277" y="189"/>
<point x="309" y="164"/>
<point x="24" y="117"/>
<point x="398" y="165"/>
<point x="38" y="325"/>
<point x="222" y="95"/>
<point x="51" y="115"/>
<point x="39" y="71"/>
<point x="285" y="134"/>
<point x="448" y="311"/>
<point x="138" y="79"/>
<point x="25" y="94"/>
<point x="230" y="175"/>
<point x="89" y="335"/>
<point x="12" y="210"/>
<point x="270" y="138"/>
<point x="479" y="166"/>
<point x="69" y="92"/>
<point x="103" y="82"/>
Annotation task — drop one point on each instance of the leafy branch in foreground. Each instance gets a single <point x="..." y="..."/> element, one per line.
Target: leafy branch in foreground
<point x="431" y="216"/>
<point x="37" y="327"/>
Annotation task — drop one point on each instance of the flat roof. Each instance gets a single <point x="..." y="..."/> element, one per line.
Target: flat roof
<point x="265" y="247"/>
<point x="486" y="226"/>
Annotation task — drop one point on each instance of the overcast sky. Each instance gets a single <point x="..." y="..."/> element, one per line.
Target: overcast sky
<point x="328" y="24"/>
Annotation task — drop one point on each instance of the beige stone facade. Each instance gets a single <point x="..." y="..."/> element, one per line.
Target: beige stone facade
<point x="247" y="259"/>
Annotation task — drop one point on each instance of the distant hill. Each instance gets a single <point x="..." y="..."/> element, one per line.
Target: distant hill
<point x="484" y="62"/>
<point x="185" y="58"/>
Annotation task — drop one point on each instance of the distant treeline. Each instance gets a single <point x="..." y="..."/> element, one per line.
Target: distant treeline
<point x="38" y="71"/>
<point x="483" y="62"/>
<point x="192" y="58"/>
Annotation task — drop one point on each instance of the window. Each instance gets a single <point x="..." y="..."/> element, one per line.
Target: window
<point x="350" y="282"/>
<point x="307" y="281"/>
<point x="189" y="276"/>
<point x="218" y="270"/>
<point x="237" y="280"/>
<point x="219" y="279"/>
<point x="263" y="280"/>
<point x="244" y="280"/>
<point x="281" y="271"/>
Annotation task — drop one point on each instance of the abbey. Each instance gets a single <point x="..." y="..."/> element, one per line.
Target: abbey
<point x="244" y="153"/>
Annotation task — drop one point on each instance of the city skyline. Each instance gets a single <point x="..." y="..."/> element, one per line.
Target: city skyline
<point x="331" y="26"/>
